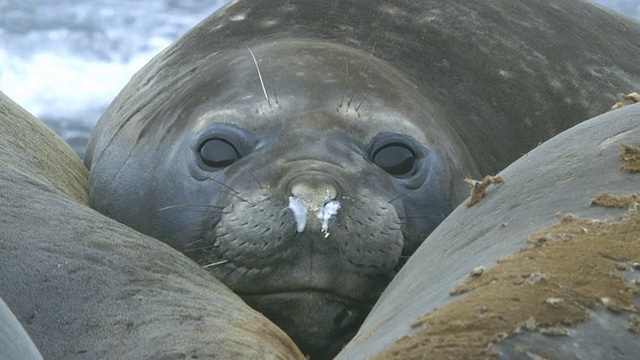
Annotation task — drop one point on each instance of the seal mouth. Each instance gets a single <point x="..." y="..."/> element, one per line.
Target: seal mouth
<point x="309" y="294"/>
<point x="320" y="306"/>
<point x="318" y="320"/>
<point x="315" y="302"/>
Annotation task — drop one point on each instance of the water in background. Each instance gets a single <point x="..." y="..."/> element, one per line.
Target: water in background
<point x="65" y="60"/>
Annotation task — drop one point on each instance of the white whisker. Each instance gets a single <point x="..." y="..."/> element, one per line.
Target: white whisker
<point x="264" y="89"/>
<point x="215" y="264"/>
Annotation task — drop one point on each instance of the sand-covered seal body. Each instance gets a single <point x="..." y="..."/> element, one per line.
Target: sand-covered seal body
<point x="551" y="249"/>
<point x="302" y="150"/>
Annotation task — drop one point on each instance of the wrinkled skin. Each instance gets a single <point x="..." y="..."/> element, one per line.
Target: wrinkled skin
<point x="377" y="111"/>
<point x="317" y="132"/>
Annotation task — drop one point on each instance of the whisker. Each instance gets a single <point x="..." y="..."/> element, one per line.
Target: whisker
<point x="192" y="243"/>
<point x="253" y="176"/>
<point x="366" y="66"/>
<point x="399" y="196"/>
<point x="273" y="82"/>
<point x="346" y="82"/>
<point x="235" y="195"/>
<point x="188" y="205"/>
<point x="222" y="184"/>
<point x="422" y="216"/>
<point x="198" y="249"/>
<point x="232" y="193"/>
<point x="260" y="76"/>
<point x="210" y="212"/>
<point x="367" y="95"/>
<point x="215" y="264"/>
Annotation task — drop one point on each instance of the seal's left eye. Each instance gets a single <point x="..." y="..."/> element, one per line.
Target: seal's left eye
<point x="395" y="158"/>
<point x="218" y="153"/>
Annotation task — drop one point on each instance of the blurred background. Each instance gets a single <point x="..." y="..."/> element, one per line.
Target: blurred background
<point x="65" y="60"/>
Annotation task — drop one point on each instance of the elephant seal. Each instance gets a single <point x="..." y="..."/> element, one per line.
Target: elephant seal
<point x="556" y="272"/>
<point x="86" y="287"/>
<point x="301" y="151"/>
<point x="15" y="343"/>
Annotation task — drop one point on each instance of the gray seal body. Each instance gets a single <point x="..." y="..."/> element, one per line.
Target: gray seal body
<point x="540" y="295"/>
<point x="84" y="286"/>
<point x="302" y="151"/>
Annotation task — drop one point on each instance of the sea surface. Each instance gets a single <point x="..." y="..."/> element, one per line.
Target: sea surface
<point x="65" y="60"/>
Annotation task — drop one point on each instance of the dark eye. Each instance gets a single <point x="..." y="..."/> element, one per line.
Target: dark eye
<point x="395" y="158"/>
<point x="218" y="153"/>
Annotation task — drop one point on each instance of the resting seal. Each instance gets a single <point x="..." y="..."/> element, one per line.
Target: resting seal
<point x="281" y="197"/>
<point x="301" y="151"/>
<point x="576" y="281"/>
<point x="15" y="343"/>
<point x="86" y="287"/>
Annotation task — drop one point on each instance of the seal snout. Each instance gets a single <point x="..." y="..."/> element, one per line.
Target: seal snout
<point x="313" y="195"/>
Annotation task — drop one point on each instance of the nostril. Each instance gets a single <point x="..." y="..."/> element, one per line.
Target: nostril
<point x="313" y="190"/>
<point x="313" y="195"/>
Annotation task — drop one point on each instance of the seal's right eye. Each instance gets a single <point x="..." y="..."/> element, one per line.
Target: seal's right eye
<point x="218" y="153"/>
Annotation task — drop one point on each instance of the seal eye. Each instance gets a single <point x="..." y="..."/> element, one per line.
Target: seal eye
<point x="395" y="158"/>
<point x="218" y="153"/>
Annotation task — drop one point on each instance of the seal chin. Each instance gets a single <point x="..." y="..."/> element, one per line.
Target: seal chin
<point x="318" y="321"/>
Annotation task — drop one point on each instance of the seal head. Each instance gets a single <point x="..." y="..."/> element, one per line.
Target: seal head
<point x="302" y="176"/>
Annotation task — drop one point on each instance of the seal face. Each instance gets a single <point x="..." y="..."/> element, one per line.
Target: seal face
<point x="304" y="171"/>
<point x="302" y="176"/>
<point x="303" y="186"/>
